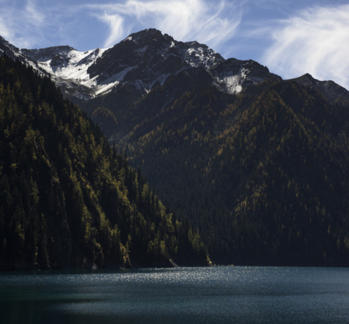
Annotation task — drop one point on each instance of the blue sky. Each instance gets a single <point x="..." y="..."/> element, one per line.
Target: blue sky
<point x="290" y="37"/>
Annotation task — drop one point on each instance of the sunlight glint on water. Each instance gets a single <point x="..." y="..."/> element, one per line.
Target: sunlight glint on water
<point x="178" y="295"/>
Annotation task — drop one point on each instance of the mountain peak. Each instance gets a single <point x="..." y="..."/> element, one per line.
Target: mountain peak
<point x="147" y="36"/>
<point x="150" y="31"/>
<point x="143" y="60"/>
<point x="307" y="78"/>
<point x="331" y="90"/>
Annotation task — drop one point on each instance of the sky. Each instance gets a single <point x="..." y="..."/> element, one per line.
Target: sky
<point x="290" y="37"/>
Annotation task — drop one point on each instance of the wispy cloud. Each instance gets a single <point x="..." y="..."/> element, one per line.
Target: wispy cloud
<point x="211" y="23"/>
<point x="21" y="26"/>
<point x="36" y="22"/>
<point x="4" y="31"/>
<point x="315" y="41"/>
<point x="115" y="23"/>
<point x="37" y="17"/>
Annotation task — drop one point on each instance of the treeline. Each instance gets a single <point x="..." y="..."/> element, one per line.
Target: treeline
<point x="67" y="198"/>
<point x="263" y="175"/>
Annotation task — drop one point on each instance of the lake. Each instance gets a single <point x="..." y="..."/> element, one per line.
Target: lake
<point x="176" y="295"/>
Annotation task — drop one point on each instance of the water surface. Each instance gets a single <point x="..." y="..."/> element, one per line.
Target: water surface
<point x="177" y="295"/>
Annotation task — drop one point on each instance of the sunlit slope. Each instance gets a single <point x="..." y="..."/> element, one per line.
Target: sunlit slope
<point x="68" y="199"/>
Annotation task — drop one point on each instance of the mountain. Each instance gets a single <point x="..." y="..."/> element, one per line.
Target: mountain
<point x="143" y="61"/>
<point x="331" y="90"/>
<point x="258" y="164"/>
<point x="67" y="198"/>
<point x="263" y="175"/>
<point x="128" y="71"/>
<point x="11" y="51"/>
<point x="118" y="77"/>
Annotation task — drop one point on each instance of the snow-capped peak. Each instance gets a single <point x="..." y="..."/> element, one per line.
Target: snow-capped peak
<point x="143" y="60"/>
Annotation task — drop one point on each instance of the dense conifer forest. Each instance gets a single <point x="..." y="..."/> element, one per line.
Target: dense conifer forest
<point x="67" y="197"/>
<point x="263" y="174"/>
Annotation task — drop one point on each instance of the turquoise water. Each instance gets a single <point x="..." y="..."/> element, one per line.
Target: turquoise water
<point x="177" y="295"/>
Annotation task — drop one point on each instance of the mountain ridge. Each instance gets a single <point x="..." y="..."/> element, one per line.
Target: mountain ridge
<point x="148" y="57"/>
<point x="144" y="60"/>
<point x="331" y="90"/>
<point x="257" y="163"/>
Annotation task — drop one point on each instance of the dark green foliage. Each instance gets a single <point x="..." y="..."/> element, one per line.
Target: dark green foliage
<point x="263" y="175"/>
<point x="67" y="198"/>
<point x="104" y="118"/>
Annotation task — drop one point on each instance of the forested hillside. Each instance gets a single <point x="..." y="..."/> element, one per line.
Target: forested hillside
<point x="263" y="174"/>
<point x="67" y="198"/>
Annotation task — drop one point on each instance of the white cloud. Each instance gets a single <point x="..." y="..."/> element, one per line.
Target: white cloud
<point x="4" y="31"/>
<point x="32" y="23"/>
<point x="115" y="23"/>
<point x="316" y="41"/>
<point x="22" y="26"/>
<point x="37" y="17"/>
<point x="184" y="20"/>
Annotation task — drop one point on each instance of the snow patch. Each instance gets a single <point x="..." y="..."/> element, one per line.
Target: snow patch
<point x="107" y="88"/>
<point x="78" y="66"/>
<point x="232" y="84"/>
<point x="199" y="56"/>
<point x="72" y="67"/>
<point x="119" y="76"/>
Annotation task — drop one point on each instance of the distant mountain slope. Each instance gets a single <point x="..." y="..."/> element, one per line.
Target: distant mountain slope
<point x="263" y="174"/>
<point x="67" y="199"/>
<point x="10" y="50"/>
<point x="332" y="91"/>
